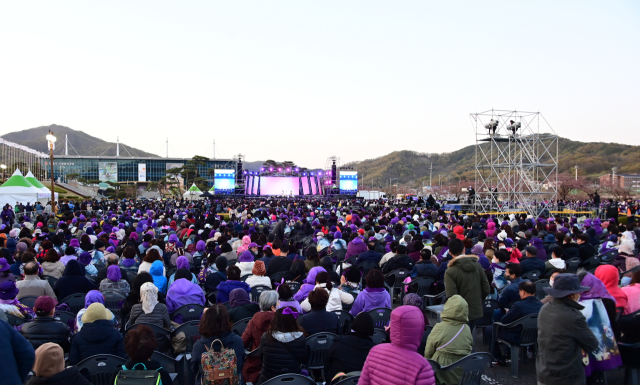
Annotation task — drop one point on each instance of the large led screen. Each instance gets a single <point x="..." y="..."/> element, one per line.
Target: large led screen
<point x="224" y="179"/>
<point x="348" y="180"/>
<point x="270" y="185"/>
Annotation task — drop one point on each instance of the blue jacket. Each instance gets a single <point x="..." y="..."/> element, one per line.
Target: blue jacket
<point x="529" y="305"/>
<point x="225" y="288"/>
<point x="369" y="255"/>
<point x="318" y="321"/>
<point x="424" y="269"/>
<point x="510" y="294"/>
<point x="98" y="337"/>
<point x="533" y="263"/>
<point x="16" y="354"/>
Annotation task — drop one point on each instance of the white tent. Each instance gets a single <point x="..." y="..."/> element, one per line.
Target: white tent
<point x="36" y="183"/>
<point x="193" y="193"/>
<point x="18" y="189"/>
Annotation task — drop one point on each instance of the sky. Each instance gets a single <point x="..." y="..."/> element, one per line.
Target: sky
<point x="303" y="81"/>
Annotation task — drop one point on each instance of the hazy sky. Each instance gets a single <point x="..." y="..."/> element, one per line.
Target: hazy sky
<point x="301" y="80"/>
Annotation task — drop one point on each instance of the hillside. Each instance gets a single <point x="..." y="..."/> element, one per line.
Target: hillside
<point x="593" y="159"/>
<point x="80" y="143"/>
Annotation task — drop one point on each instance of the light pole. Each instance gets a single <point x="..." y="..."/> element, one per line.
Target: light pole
<point x="4" y="168"/>
<point x="52" y="142"/>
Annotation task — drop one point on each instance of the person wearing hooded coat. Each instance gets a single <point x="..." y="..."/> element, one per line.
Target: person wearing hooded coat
<point x="309" y="284"/>
<point x="114" y="281"/>
<point x="73" y="281"/>
<point x="157" y="273"/>
<point x="97" y="336"/>
<point x="183" y="292"/>
<point x="349" y="352"/>
<point x="398" y="362"/>
<point x="245" y="263"/>
<point x="241" y="305"/>
<point x="182" y="263"/>
<point x="373" y="296"/>
<point x="450" y="340"/>
<point x="355" y="248"/>
<point x="49" y="368"/>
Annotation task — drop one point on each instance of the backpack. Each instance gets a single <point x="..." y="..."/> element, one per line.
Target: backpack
<point x="219" y="368"/>
<point x="138" y="377"/>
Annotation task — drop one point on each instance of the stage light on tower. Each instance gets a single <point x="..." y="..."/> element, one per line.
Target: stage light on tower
<point x="279" y="169"/>
<point x="319" y="173"/>
<point x="271" y="169"/>
<point x="288" y="169"/>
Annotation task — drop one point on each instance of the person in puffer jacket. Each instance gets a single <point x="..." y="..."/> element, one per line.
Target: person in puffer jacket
<point x="398" y="363"/>
<point x="373" y="296"/>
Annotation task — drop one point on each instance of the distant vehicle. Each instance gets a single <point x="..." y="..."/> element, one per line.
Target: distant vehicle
<point x="371" y="195"/>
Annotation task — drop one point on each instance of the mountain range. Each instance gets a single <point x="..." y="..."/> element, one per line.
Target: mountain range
<point x="404" y="167"/>
<point x="80" y="143"/>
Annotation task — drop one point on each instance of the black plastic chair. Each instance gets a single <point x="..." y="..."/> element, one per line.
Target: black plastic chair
<point x="256" y="291"/>
<point x="489" y="306"/>
<point x="345" y="320"/>
<point x="381" y="317"/>
<point x="189" y="312"/>
<point x="630" y="354"/>
<point x="399" y="275"/>
<point x="101" y="367"/>
<point x="317" y="347"/>
<point x="244" y="277"/>
<point x="75" y="302"/>
<point x="171" y="365"/>
<point x="591" y="263"/>
<point x="608" y="256"/>
<point x="15" y="320"/>
<point x="163" y="336"/>
<point x="379" y="336"/>
<point x="131" y="275"/>
<point x="64" y="316"/>
<point x="240" y="326"/>
<point x="532" y="275"/>
<point x="211" y="297"/>
<point x="528" y="326"/>
<point x="423" y="342"/>
<point x="277" y="277"/>
<point x="113" y="300"/>
<point x="351" y="380"/>
<point x="436" y="299"/>
<point x="572" y="265"/>
<point x="191" y="332"/>
<point x="365" y="267"/>
<point x="52" y="280"/>
<point x="473" y="366"/>
<point x="30" y="301"/>
<point x="424" y="285"/>
<point x="171" y="272"/>
<point x="290" y="379"/>
<point x="540" y="285"/>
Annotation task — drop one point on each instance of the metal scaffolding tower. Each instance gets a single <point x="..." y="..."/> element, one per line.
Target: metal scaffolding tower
<point x="516" y="162"/>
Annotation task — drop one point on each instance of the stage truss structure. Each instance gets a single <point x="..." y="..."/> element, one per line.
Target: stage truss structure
<point x="521" y="164"/>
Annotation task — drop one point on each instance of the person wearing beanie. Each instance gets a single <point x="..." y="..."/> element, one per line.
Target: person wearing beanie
<point x="85" y="260"/>
<point x="259" y="276"/>
<point x="44" y="328"/>
<point x="69" y="254"/>
<point x="115" y="281"/>
<point x="182" y="263"/>
<point x="49" y="368"/>
<point x="349" y="352"/>
<point x="245" y="263"/>
<point x="338" y="243"/>
<point x="97" y="335"/>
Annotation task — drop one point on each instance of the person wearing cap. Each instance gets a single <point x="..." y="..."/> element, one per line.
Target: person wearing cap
<point x="97" y="336"/>
<point x="32" y="285"/>
<point x="532" y="262"/>
<point x="348" y="352"/>
<point x="44" y="328"/>
<point x="563" y="334"/>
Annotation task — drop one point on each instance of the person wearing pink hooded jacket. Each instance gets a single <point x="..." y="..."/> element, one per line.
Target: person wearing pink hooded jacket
<point x="398" y="363"/>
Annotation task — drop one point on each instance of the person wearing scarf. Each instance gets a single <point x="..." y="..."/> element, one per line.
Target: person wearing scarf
<point x="157" y="273"/>
<point x="150" y="310"/>
<point x="49" y="368"/>
<point x="114" y="281"/>
<point x="600" y="312"/>
<point x="9" y="304"/>
<point x="94" y="296"/>
<point x="348" y="352"/>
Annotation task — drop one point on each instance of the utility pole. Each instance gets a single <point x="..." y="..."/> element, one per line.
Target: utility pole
<point x="576" y="172"/>
<point x="430" y="173"/>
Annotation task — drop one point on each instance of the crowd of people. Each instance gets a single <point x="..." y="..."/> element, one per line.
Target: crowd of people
<point x="310" y="260"/>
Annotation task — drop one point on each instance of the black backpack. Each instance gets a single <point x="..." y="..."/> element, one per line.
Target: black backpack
<point x="138" y="377"/>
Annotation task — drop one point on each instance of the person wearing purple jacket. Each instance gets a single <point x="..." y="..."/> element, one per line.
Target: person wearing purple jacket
<point x="183" y="292"/>
<point x="309" y="284"/>
<point x="373" y="296"/>
<point x="355" y="247"/>
<point x="538" y="244"/>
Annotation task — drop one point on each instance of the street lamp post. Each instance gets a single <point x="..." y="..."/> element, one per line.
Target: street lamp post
<point x="52" y="140"/>
<point x="4" y="169"/>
